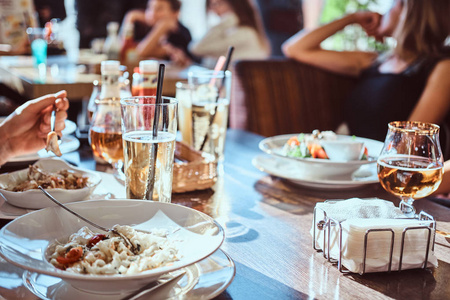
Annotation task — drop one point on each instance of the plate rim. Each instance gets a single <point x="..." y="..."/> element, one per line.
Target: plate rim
<point x="227" y="282"/>
<point x="62" y="274"/>
<point x="311" y="183"/>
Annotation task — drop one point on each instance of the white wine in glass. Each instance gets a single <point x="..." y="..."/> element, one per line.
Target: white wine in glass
<point x="410" y="163"/>
<point x="105" y="135"/>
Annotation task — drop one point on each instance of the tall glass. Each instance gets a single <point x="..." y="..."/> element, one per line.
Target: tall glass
<point x="148" y="149"/>
<point x="38" y="41"/>
<point x="410" y="163"/>
<point x="204" y="110"/>
<point x="105" y="134"/>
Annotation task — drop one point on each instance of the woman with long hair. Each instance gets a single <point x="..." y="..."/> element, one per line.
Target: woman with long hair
<point x="411" y="82"/>
<point x="240" y="26"/>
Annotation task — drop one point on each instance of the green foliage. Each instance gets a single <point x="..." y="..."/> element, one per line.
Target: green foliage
<point x="352" y="37"/>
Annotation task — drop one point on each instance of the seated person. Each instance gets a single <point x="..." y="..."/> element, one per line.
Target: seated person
<point x="239" y="26"/>
<point x="25" y="130"/>
<point x="164" y="34"/>
<point x="412" y="82"/>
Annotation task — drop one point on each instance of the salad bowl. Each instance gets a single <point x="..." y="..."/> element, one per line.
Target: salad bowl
<point x="316" y="168"/>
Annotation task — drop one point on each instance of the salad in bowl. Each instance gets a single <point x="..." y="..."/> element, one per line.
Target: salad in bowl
<point x="323" y="154"/>
<point x="325" y="145"/>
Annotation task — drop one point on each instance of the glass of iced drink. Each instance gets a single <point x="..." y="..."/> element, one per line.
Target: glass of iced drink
<point x="204" y="111"/>
<point x="38" y="41"/>
<point x="148" y="133"/>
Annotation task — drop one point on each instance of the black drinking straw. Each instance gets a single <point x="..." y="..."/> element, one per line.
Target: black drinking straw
<point x="154" y="154"/>
<point x="222" y="83"/>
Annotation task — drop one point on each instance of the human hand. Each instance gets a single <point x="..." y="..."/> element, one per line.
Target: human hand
<point x="25" y="130"/>
<point x="133" y="16"/>
<point x="370" y="22"/>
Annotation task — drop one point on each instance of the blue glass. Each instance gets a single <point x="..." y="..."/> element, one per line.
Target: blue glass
<point x="39" y="52"/>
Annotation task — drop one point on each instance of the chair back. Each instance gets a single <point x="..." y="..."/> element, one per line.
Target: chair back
<point x="279" y="96"/>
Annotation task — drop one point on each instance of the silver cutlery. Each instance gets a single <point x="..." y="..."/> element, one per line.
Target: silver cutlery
<point x="127" y="241"/>
<point x="151" y="287"/>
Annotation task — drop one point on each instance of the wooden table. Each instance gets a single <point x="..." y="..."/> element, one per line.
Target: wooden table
<point x="267" y="222"/>
<point x="18" y="74"/>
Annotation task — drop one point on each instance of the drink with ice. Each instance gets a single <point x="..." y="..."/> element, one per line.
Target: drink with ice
<point x="39" y="52"/>
<point x="149" y="146"/>
<point x="139" y="147"/>
<point x="204" y="107"/>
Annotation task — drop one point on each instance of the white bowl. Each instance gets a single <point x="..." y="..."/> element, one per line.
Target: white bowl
<point x="317" y="168"/>
<point x="24" y="241"/>
<point x="343" y="150"/>
<point x="35" y="199"/>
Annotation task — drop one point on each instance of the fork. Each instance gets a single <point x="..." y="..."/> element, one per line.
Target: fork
<point x="127" y="241"/>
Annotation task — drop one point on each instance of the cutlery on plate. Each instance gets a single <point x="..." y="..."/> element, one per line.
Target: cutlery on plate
<point x="151" y="287"/>
<point x="127" y="241"/>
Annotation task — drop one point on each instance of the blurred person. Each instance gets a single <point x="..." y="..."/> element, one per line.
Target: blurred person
<point x="158" y="30"/>
<point x="93" y="16"/>
<point x="240" y="26"/>
<point x="49" y="9"/>
<point x="25" y="130"/>
<point x="411" y="82"/>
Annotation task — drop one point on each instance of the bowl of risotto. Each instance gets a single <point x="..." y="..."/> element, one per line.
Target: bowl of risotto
<point x="165" y="237"/>
<point x="65" y="182"/>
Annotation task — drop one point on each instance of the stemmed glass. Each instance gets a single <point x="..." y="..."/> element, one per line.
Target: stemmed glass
<point x="105" y="134"/>
<point x="410" y="163"/>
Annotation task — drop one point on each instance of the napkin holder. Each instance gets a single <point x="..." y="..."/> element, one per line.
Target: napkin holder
<point x="333" y="230"/>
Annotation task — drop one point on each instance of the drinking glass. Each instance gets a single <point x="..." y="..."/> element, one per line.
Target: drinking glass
<point x="38" y="40"/>
<point x="149" y="131"/>
<point x="204" y="110"/>
<point x="410" y="163"/>
<point x="105" y="135"/>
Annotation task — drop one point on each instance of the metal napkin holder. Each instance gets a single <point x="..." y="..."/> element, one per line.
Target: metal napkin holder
<point x="327" y="222"/>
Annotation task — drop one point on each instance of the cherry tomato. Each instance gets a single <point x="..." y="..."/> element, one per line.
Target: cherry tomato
<point x="72" y="256"/>
<point x="293" y="141"/>
<point x="95" y="239"/>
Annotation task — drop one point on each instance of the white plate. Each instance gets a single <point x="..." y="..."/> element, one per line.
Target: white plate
<point x="203" y="280"/>
<point x="24" y="241"/>
<point x="68" y="144"/>
<point x="285" y="169"/>
<point x="70" y="128"/>
<point x="320" y="168"/>
<point x="35" y="199"/>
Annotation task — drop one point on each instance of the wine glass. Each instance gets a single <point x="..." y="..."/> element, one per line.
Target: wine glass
<point x="410" y="163"/>
<point x="105" y="134"/>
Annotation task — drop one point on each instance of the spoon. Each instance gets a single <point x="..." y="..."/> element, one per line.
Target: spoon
<point x="127" y="241"/>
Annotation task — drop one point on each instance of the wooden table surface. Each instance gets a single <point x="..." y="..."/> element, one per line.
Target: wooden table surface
<point x="267" y="222"/>
<point x="18" y="74"/>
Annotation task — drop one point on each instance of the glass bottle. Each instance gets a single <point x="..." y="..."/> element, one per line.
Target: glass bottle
<point x="149" y="77"/>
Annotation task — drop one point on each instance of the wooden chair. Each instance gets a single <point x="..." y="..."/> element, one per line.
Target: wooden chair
<point x="279" y="96"/>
